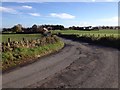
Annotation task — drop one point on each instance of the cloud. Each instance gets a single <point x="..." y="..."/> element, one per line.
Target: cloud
<point x="28" y="7"/>
<point x="34" y="14"/>
<point x="93" y="0"/>
<point x="62" y="15"/>
<point x="110" y="0"/>
<point x="112" y="19"/>
<point x="86" y="24"/>
<point x="8" y="10"/>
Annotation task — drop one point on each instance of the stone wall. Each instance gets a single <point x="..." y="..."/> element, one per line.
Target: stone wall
<point x="11" y="45"/>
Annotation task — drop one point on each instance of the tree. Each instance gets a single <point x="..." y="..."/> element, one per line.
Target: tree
<point x="40" y="29"/>
<point x="34" y="28"/>
<point x="17" y="28"/>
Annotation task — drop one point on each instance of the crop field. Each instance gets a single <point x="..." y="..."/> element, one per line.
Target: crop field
<point x="101" y="33"/>
<point x="18" y="37"/>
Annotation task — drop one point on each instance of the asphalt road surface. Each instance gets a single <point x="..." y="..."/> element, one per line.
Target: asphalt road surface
<point x="78" y="65"/>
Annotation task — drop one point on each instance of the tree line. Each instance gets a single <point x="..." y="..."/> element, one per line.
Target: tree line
<point x="34" y="29"/>
<point x="39" y="28"/>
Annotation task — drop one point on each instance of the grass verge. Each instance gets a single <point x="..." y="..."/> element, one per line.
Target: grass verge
<point x="107" y="41"/>
<point x="19" y="56"/>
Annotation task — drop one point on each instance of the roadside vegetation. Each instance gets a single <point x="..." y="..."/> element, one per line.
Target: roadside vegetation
<point x="109" y="38"/>
<point x="22" y="45"/>
<point x="15" y="53"/>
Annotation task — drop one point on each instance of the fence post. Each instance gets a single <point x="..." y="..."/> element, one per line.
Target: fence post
<point x="9" y="40"/>
<point x="23" y="39"/>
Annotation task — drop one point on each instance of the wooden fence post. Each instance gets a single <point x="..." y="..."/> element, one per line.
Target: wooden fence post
<point x="23" y="39"/>
<point x="9" y="40"/>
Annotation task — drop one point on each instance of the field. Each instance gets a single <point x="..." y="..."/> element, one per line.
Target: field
<point x="96" y="33"/>
<point x="101" y="33"/>
<point x="109" y="38"/>
<point x="18" y="37"/>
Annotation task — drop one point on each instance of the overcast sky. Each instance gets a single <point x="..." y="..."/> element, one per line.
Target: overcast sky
<point x="65" y="13"/>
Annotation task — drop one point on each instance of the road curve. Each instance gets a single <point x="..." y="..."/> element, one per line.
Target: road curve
<point x="78" y="65"/>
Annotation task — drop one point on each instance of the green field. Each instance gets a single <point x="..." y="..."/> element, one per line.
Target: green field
<point x="18" y="37"/>
<point x="101" y="33"/>
<point x="109" y="38"/>
<point x="95" y="33"/>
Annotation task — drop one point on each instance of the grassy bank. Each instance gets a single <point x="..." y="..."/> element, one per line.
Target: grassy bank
<point x="23" y="55"/>
<point x="108" y="41"/>
<point x="109" y="38"/>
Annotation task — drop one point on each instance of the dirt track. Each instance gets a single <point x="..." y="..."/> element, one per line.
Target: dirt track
<point x="78" y="65"/>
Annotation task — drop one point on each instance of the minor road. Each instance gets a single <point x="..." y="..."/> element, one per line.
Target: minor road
<point x="78" y="65"/>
